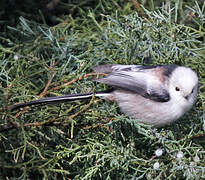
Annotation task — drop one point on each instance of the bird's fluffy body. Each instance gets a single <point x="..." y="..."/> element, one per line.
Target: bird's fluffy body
<point x="166" y="93"/>
<point x="148" y="111"/>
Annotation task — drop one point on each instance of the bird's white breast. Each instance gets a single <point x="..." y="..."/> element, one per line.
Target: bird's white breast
<point x="148" y="111"/>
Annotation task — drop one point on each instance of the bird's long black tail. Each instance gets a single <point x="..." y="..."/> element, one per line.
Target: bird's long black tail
<point x="51" y="100"/>
<point x="58" y="99"/>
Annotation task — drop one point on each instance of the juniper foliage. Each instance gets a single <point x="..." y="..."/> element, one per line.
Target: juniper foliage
<point x="92" y="139"/>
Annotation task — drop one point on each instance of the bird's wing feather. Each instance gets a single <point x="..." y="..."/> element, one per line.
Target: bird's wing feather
<point x="108" y="68"/>
<point x="146" y="82"/>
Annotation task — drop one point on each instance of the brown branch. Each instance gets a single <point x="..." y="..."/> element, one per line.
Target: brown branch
<point x="50" y="80"/>
<point x="77" y="79"/>
<point x="101" y="125"/>
<point x="9" y="126"/>
<point x="199" y="137"/>
<point x="45" y="91"/>
<point x="139" y="9"/>
<point x="20" y="112"/>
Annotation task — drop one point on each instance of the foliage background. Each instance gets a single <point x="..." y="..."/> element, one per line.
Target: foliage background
<point x="51" y="51"/>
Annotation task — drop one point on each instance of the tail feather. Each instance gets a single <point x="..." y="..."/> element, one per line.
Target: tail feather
<point x="59" y="99"/>
<point x="53" y="100"/>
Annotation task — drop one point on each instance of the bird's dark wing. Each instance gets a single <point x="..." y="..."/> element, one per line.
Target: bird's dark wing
<point x="147" y="81"/>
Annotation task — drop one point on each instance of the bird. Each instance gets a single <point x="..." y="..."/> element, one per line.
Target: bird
<point x="157" y="95"/>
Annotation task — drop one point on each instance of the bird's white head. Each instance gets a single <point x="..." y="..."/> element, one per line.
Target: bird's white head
<point x="184" y="86"/>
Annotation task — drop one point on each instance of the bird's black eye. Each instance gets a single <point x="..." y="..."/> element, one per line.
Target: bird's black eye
<point x="177" y="89"/>
<point x="192" y="91"/>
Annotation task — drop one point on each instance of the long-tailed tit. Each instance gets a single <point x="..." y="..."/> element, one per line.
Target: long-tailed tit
<point x="155" y="95"/>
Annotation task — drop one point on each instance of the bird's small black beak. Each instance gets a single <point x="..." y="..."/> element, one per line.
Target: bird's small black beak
<point x="187" y="97"/>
